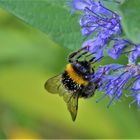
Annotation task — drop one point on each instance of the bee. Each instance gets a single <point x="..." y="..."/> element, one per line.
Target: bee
<point x="74" y="82"/>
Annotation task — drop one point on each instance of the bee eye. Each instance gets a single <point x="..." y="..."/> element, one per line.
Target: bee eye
<point x="78" y="65"/>
<point x="83" y="69"/>
<point x="86" y="76"/>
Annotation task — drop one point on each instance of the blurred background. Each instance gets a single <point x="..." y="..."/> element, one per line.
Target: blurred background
<point x="27" y="59"/>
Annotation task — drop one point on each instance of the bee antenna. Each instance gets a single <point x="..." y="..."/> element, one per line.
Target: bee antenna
<point x="90" y="54"/>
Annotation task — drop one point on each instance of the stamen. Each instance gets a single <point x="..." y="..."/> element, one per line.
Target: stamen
<point x="88" y="26"/>
<point x="109" y="81"/>
<point x="113" y="97"/>
<point x="118" y="88"/>
<point x="106" y="27"/>
<point x="84" y="38"/>
<point x="129" y="43"/>
<point x="97" y="16"/>
<point x="101" y="98"/>
<point x="108" y="9"/>
<point x="118" y="2"/>
<point x="132" y="103"/>
<point x="128" y="51"/>
<point x="128" y="95"/>
<point x="100" y="21"/>
<point x="119" y="68"/>
<point x="132" y="82"/>
<point x="115" y="93"/>
<point x="111" y="102"/>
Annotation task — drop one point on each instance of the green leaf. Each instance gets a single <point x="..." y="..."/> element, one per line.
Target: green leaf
<point x="130" y="10"/>
<point x="49" y="16"/>
<point x="28" y="47"/>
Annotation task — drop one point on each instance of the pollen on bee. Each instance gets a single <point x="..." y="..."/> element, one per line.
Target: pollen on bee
<point x="74" y="76"/>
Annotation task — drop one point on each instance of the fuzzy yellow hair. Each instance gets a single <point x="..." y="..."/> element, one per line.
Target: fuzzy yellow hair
<point x="74" y="76"/>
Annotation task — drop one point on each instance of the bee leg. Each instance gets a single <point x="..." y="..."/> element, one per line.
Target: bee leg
<point x="90" y="54"/>
<point x="78" y="57"/>
<point x="92" y="60"/>
<point x="72" y="55"/>
<point x="90" y="91"/>
<point x="93" y="71"/>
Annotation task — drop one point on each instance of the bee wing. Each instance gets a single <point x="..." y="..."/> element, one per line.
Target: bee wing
<point x="72" y="104"/>
<point x="54" y="85"/>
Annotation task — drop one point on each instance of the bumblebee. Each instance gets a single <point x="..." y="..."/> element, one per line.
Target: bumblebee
<point x="74" y="82"/>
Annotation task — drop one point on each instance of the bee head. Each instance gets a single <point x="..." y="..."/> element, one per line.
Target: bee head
<point x="82" y="67"/>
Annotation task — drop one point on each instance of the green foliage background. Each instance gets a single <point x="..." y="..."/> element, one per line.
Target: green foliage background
<point x="35" y="38"/>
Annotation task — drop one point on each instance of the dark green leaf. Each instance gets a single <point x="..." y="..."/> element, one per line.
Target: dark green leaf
<point x="50" y="16"/>
<point x="130" y="12"/>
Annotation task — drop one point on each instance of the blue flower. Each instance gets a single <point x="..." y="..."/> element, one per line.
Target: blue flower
<point x="104" y="70"/>
<point x="115" y="78"/>
<point x="95" y="22"/>
<point x="100" y="21"/>
<point x="118" y="48"/>
<point x="102" y="74"/>
<point x="103" y="27"/>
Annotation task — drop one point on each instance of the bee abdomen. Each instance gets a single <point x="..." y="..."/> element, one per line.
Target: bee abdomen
<point x="70" y="84"/>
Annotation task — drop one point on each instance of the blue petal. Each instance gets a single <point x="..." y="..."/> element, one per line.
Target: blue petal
<point x="117" y="49"/>
<point x="137" y="98"/>
<point x="114" y="54"/>
<point x="88" y="30"/>
<point x="99" y="54"/>
<point x="81" y="4"/>
<point x="136" y="86"/>
<point x="134" y="54"/>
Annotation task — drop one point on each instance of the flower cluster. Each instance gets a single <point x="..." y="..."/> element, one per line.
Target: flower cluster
<point x="103" y="26"/>
<point x="118" y="78"/>
<point x="100" y="21"/>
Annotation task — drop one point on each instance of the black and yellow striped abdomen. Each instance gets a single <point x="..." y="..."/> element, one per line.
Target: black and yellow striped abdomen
<point x="75" y="76"/>
<point x="72" y="80"/>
